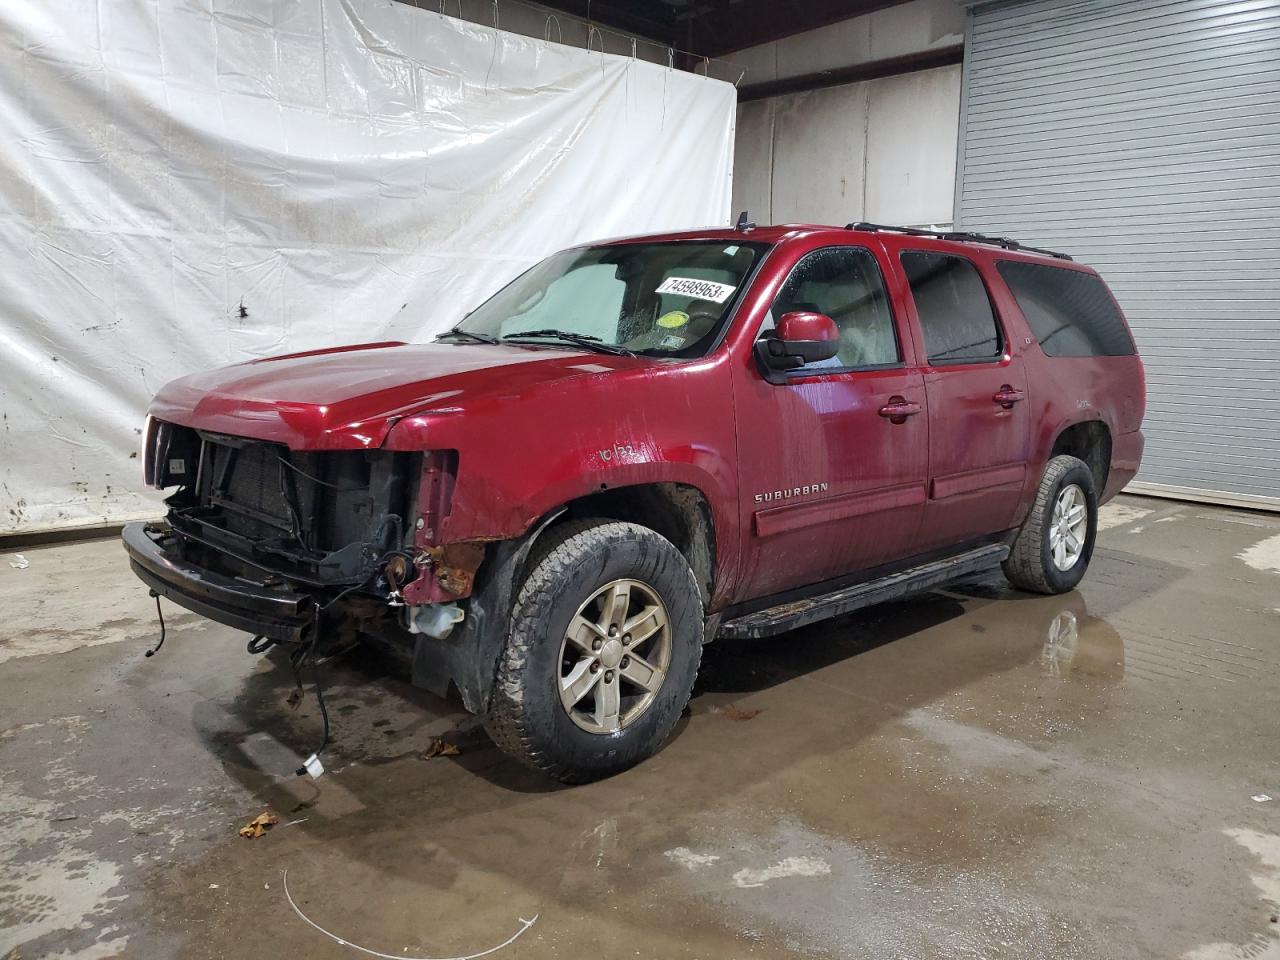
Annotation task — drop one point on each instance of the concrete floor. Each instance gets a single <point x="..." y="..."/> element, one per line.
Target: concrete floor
<point x="974" y="773"/>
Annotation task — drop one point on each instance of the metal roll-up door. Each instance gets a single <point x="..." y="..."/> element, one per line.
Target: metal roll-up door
<point x="1143" y="137"/>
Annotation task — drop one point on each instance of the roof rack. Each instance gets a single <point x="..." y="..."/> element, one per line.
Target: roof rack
<point x="963" y="237"/>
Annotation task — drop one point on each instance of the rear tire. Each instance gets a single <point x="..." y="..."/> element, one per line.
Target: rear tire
<point x="571" y="699"/>
<point x="1055" y="543"/>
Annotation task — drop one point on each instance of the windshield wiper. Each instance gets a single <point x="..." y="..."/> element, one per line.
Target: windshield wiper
<point x="584" y="340"/>
<point x="459" y="332"/>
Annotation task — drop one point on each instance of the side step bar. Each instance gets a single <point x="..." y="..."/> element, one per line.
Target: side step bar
<point x="798" y="613"/>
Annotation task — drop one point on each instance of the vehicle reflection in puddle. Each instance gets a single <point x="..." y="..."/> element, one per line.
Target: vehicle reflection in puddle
<point x="1078" y="646"/>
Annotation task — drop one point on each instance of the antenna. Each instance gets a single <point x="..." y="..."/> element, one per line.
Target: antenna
<point x="743" y="223"/>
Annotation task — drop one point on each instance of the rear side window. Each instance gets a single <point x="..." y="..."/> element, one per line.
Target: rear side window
<point x="955" y="311"/>
<point x="1071" y="313"/>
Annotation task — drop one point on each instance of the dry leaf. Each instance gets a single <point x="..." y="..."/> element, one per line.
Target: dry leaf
<point x="13" y="955"/>
<point x="738" y="713"/>
<point x="259" y="825"/>
<point x="439" y="747"/>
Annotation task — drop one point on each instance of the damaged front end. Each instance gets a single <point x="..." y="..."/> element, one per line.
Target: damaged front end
<point x="266" y="539"/>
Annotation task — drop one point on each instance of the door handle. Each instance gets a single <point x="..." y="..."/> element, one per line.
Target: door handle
<point x="1007" y="396"/>
<point x="898" y="409"/>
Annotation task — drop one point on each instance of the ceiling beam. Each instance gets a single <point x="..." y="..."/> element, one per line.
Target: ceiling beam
<point x="712" y="28"/>
<point x="724" y="26"/>
<point x="872" y="70"/>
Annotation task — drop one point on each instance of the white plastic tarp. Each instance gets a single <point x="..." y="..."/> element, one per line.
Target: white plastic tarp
<point x="189" y="184"/>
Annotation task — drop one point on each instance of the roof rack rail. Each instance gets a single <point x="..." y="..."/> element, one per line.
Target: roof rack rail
<point x="964" y="237"/>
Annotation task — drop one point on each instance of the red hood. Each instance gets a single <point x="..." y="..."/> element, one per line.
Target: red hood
<point x="350" y="397"/>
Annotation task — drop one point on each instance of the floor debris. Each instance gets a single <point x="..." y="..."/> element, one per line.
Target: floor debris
<point x="790" y="867"/>
<point x="1260" y="798"/>
<point x="738" y="713"/>
<point x="439" y="747"/>
<point x="259" y="825"/>
<point x="284" y="881"/>
<point x="691" y="860"/>
<point x="19" y="562"/>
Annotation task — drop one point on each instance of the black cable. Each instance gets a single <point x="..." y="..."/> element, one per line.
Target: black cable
<point x="323" y="483"/>
<point x="377" y="566"/>
<point x="310" y="652"/>
<point x="324" y="711"/>
<point x="260" y="644"/>
<point x="160" y="614"/>
<point x="350" y="589"/>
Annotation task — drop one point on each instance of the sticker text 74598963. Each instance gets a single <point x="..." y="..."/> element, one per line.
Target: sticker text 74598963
<point x="699" y="289"/>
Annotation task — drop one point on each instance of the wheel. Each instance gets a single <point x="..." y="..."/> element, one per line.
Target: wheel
<point x="603" y="649"/>
<point x="1054" y="545"/>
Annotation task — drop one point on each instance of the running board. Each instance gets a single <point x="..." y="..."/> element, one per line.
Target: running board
<point x="798" y="613"/>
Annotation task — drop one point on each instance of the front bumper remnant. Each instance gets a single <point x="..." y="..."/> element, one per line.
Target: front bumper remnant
<point x="258" y="607"/>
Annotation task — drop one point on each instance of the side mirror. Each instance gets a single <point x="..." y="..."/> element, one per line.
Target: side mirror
<point x="801" y="337"/>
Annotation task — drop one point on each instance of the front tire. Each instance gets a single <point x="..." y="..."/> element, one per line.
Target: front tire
<point x="1052" y="550"/>
<point x="605" y="640"/>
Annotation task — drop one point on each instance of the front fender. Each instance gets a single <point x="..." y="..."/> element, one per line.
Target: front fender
<point x="519" y="457"/>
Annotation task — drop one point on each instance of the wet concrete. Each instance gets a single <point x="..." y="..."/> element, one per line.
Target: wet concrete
<point x="974" y="773"/>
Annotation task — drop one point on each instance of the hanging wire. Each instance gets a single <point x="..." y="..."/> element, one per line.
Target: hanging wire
<point x="443" y="2"/>
<point x="591" y="29"/>
<point x="671" y="63"/>
<point x="494" y="56"/>
<point x="546" y="30"/>
<point x="626" y="79"/>
<point x="159" y="616"/>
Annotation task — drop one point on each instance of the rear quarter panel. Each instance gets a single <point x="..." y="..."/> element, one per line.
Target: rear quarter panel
<point x="1065" y="391"/>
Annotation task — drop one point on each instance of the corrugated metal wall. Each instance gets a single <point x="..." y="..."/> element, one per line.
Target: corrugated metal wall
<point x="1143" y="137"/>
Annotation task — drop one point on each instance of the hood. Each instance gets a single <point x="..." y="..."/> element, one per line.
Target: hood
<point x="350" y="397"/>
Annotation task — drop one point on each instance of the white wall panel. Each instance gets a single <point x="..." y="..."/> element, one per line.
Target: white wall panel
<point x="819" y="141"/>
<point x="753" y="159"/>
<point x="893" y="32"/>
<point x="881" y="150"/>
<point x="912" y="129"/>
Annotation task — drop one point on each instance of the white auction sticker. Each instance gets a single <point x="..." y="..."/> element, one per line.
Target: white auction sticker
<point x="699" y="289"/>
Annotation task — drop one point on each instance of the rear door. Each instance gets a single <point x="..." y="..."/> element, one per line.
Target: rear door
<point x="977" y="390"/>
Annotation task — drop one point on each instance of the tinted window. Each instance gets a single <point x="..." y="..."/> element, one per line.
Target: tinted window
<point x="845" y="284"/>
<point x="955" y="312"/>
<point x="1071" y="313"/>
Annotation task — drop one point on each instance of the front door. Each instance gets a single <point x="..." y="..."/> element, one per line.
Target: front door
<point x="978" y="413"/>
<point x="832" y="464"/>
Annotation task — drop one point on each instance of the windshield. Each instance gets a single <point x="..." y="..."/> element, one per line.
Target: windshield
<point x="661" y="299"/>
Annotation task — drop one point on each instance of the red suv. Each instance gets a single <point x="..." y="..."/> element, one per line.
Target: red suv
<point x="640" y="445"/>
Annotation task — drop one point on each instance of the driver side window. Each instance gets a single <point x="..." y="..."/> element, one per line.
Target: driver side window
<point x="845" y="284"/>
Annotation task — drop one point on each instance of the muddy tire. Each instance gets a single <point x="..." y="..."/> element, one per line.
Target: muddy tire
<point x="1052" y="550"/>
<point x="605" y="640"/>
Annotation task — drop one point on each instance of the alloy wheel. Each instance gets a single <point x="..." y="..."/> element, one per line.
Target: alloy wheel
<point x="1069" y="527"/>
<point x="614" y="657"/>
